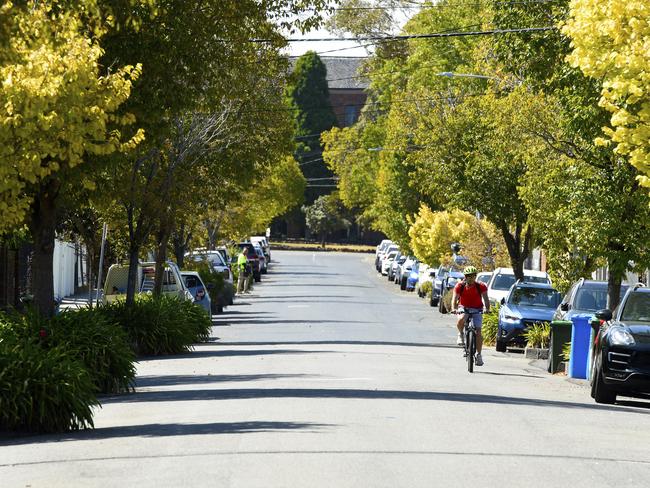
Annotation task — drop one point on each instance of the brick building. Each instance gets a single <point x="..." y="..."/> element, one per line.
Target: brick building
<point x="347" y="88"/>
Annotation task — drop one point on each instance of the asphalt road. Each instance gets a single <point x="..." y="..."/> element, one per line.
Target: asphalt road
<point x="328" y="375"/>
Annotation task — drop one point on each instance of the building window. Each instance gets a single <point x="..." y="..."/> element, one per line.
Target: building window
<point x="350" y="115"/>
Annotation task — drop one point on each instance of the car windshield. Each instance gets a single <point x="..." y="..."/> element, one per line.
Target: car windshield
<point x="637" y="308"/>
<point x="483" y="278"/>
<point x="591" y="299"/>
<point x="535" y="297"/>
<point x="503" y="281"/>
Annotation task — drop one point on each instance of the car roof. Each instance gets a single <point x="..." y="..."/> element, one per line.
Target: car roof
<point x="530" y="284"/>
<point x="529" y="272"/>
<point x="190" y="273"/>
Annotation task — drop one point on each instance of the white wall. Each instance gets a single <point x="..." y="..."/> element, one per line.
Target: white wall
<point x="64" y="261"/>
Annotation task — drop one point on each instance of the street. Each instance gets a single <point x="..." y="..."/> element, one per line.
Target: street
<point x="329" y="375"/>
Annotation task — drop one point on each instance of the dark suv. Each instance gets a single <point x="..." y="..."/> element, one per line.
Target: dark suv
<point x="584" y="296"/>
<point x="620" y="362"/>
<point x="253" y="259"/>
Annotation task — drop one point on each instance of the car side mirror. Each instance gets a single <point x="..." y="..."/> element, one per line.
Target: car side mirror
<point x="605" y="314"/>
<point x="503" y="301"/>
<point x="564" y="307"/>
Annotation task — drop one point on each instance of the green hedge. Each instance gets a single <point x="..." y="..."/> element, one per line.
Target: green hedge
<point x="160" y="325"/>
<point x="42" y="389"/>
<point x="491" y="326"/>
<point x="99" y="343"/>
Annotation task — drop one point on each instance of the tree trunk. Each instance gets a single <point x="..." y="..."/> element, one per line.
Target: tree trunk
<point x="43" y="225"/>
<point x="518" y="253"/>
<point x="181" y="243"/>
<point x="161" y="258"/>
<point x="134" y="252"/>
<point x="613" y="287"/>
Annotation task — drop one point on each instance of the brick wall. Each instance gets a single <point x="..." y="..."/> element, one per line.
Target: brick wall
<point x="340" y="99"/>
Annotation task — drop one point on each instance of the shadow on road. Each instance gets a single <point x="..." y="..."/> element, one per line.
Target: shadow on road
<point x="165" y="430"/>
<point x="169" y="380"/>
<point x="246" y="352"/>
<point x="493" y="373"/>
<point x="335" y="343"/>
<point x="316" y="393"/>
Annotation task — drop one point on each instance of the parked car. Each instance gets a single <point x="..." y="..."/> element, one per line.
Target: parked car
<point x="225" y="254"/>
<point x="199" y="291"/>
<point x="399" y="259"/>
<point x="503" y="278"/>
<point x="526" y="304"/>
<point x="382" y="254"/>
<point x="117" y="278"/>
<point x="262" y="259"/>
<point x="584" y="296"/>
<point x="448" y="283"/>
<point x="436" y="290"/>
<point x="425" y="274"/>
<point x="620" y="363"/>
<point x="484" y="277"/>
<point x="403" y="271"/>
<point x="216" y="260"/>
<point x="253" y="259"/>
<point x="414" y="276"/>
<point x="387" y="261"/>
<point x="263" y="242"/>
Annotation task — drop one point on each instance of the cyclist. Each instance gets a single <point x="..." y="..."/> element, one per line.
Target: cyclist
<point x="472" y="295"/>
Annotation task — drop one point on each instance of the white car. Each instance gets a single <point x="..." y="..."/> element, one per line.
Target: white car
<point x="425" y="274"/>
<point x="117" y="278"/>
<point x="381" y="255"/>
<point x="503" y="278"/>
<point x="484" y="277"/>
<point x="387" y="261"/>
<point x="216" y="260"/>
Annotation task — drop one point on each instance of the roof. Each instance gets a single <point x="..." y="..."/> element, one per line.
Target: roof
<point x="532" y="284"/>
<point x="342" y="72"/>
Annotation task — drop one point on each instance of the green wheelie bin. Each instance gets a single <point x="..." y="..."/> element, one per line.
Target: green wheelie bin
<point x="560" y="335"/>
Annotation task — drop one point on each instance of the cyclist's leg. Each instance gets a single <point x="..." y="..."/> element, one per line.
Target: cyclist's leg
<point x="478" y="324"/>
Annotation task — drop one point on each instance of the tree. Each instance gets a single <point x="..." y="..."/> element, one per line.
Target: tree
<point x="57" y="108"/>
<point x="325" y="216"/>
<point x="308" y="97"/>
<point x="610" y="41"/>
<point x="589" y="179"/>
<point x="432" y="234"/>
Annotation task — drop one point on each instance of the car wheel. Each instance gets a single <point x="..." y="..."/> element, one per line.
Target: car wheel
<point x="501" y="346"/>
<point x="433" y="302"/>
<point x="600" y="391"/>
<point x="219" y="308"/>
<point x="258" y="278"/>
<point x="403" y="284"/>
<point x="441" y="306"/>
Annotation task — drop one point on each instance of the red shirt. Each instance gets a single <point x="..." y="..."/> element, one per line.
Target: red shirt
<point x="470" y="297"/>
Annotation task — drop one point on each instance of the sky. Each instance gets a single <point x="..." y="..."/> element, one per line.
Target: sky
<point x="331" y="48"/>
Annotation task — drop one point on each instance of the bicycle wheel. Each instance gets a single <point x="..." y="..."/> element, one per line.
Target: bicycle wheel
<point x="471" y="348"/>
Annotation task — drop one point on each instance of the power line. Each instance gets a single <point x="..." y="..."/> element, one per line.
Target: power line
<point x="433" y="35"/>
<point x="445" y="5"/>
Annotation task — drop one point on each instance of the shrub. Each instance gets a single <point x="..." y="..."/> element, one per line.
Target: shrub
<point x="160" y="325"/>
<point x="101" y="345"/>
<point x="490" y="326"/>
<point x="566" y="351"/>
<point x="42" y="389"/>
<point x="538" y="335"/>
<point x="426" y="288"/>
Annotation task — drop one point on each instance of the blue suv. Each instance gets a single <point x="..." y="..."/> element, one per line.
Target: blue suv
<point x="525" y="305"/>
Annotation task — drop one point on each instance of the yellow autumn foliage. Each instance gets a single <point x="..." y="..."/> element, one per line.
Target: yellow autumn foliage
<point x="432" y="234"/>
<point x="55" y="106"/>
<point x="611" y="42"/>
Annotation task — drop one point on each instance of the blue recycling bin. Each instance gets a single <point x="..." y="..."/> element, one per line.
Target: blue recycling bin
<point x="580" y="339"/>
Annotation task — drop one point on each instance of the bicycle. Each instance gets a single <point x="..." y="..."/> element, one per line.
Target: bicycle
<point x="470" y="337"/>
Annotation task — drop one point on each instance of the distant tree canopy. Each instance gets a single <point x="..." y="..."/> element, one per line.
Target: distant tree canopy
<point x="308" y="98"/>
